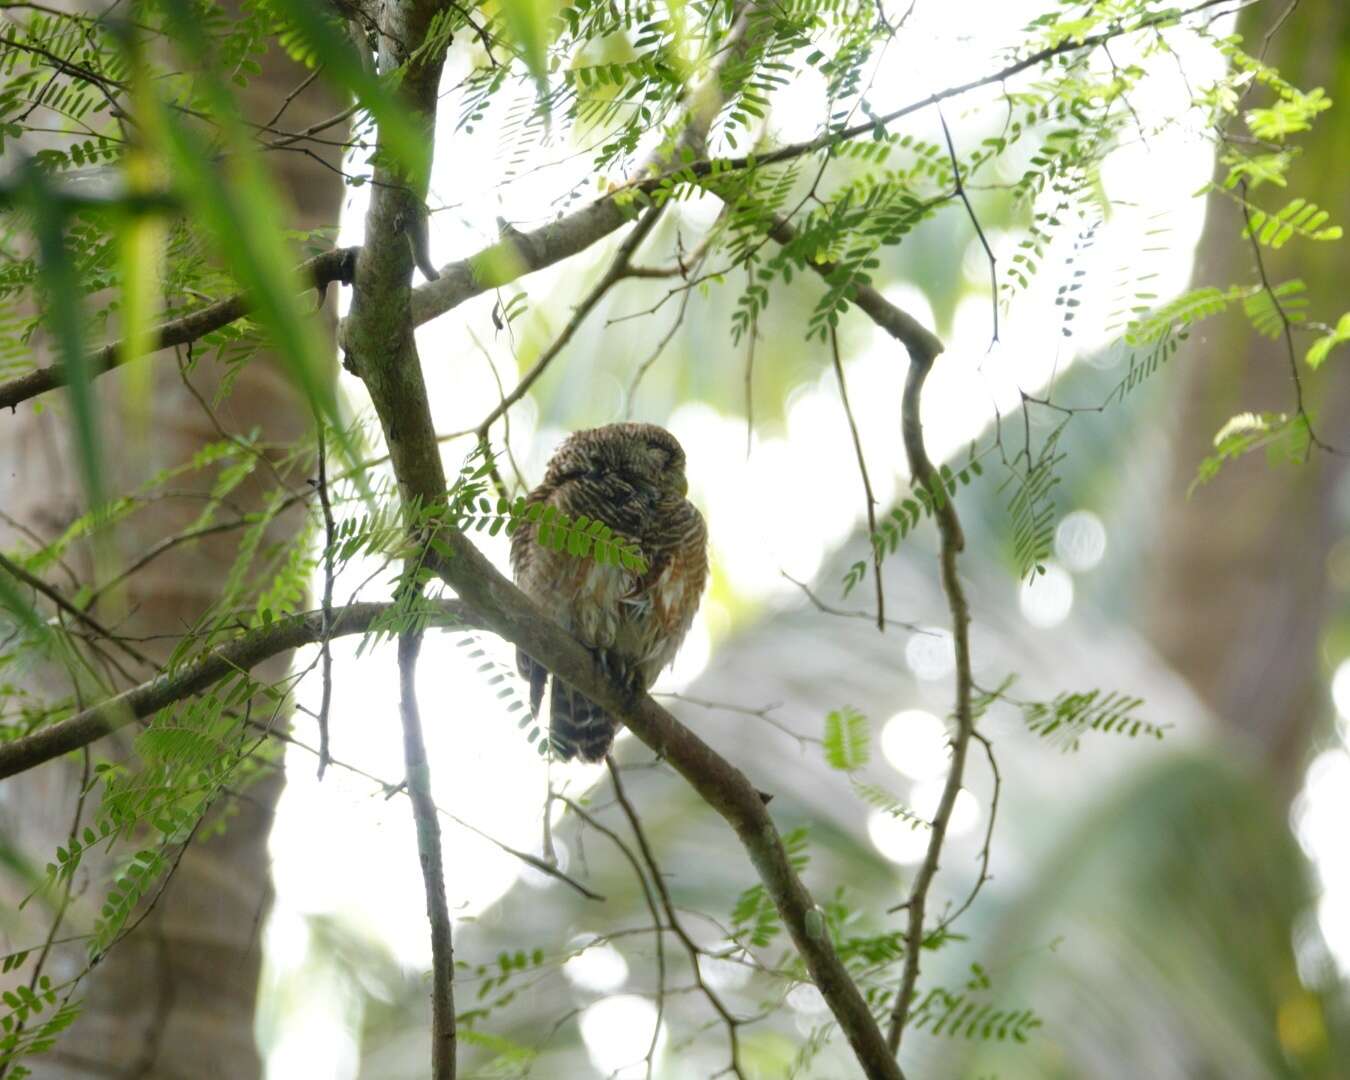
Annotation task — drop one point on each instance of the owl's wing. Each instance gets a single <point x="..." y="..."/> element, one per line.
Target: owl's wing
<point x="579" y="593"/>
<point x="663" y="605"/>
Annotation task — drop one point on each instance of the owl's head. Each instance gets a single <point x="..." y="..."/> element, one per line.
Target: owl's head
<point x="643" y="454"/>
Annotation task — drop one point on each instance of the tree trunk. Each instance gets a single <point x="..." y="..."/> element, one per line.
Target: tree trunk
<point x="1241" y="591"/>
<point x="176" y="997"/>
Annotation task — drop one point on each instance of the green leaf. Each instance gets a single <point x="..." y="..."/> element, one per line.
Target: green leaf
<point x="1321" y="348"/>
<point x="335" y="53"/>
<point x="231" y="197"/>
<point x="847" y="741"/>
<point x="528" y="22"/>
<point x="61" y="292"/>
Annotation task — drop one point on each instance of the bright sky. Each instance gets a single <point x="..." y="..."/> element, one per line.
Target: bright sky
<point x="483" y="769"/>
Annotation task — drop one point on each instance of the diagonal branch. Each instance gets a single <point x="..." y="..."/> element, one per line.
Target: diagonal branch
<point x="319" y="271"/>
<point x="242" y="654"/>
<point x="506" y="611"/>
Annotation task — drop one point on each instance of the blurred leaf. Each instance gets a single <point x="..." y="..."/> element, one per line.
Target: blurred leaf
<point x="141" y="244"/>
<point x="61" y="292"/>
<point x="333" y="51"/>
<point x="13" y="601"/>
<point x="1321" y="348"/>
<point x="231" y="197"/>
<point x="528" y="21"/>
<point x="1181" y="894"/>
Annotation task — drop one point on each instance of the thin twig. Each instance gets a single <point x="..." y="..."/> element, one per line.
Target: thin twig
<point x="657" y="926"/>
<point x="827" y="609"/>
<point x="616" y="272"/>
<point x="290" y="97"/>
<point x="871" y="499"/>
<point x="329" y="543"/>
<point x="443" y="1035"/>
<point x="975" y="221"/>
<point x="1286" y="325"/>
<point x="985" y="848"/>
<point x="54" y="595"/>
<point x="695" y="952"/>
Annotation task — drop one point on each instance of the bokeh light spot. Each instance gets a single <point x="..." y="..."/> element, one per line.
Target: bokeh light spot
<point x="1046" y="599"/>
<point x="1080" y="541"/>
<point x="915" y="743"/>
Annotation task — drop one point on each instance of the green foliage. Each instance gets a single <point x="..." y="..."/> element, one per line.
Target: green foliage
<point x="1298" y="217"/>
<point x="961" y="1016"/>
<point x="34" y="1017"/>
<point x="195" y="217"/>
<point x="900" y="520"/>
<point x="1283" y="436"/>
<point x="1068" y="716"/>
<point x="1322" y="347"/>
<point x="848" y="739"/>
<point x="1032" y="507"/>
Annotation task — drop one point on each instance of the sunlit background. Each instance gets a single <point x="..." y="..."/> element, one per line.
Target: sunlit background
<point x="344" y="850"/>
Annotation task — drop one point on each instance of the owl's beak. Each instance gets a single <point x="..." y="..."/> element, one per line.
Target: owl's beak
<point x="683" y="485"/>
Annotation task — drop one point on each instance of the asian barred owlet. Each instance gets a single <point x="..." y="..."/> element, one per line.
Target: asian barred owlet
<point x="631" y="477"/>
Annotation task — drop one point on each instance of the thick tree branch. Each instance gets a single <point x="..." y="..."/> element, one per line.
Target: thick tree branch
<point x="320" y="271"/>
<point x="507" y="611"/>
<point x="242" y="654"/>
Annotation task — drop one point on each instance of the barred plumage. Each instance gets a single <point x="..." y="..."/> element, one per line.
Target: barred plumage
<point x="631" y="477"/>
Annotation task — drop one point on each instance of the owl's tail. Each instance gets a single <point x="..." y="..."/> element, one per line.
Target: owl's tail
<point x="578" y="726"/>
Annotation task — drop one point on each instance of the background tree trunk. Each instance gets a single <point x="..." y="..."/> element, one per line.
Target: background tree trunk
<point x="1241" y="586"/>
<point x="176" y="998"/>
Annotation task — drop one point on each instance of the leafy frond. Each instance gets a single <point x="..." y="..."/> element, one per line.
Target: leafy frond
<point x="1032" y="508"/>
<point x="1068" y="716"/>
<point x="963" y="1016"/>
<point x="848" y="738"/>
<point x="1285" y="436"/>
<point x="900" y="520"/>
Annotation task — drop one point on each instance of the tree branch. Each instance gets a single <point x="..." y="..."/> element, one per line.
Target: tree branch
<point x="952" y="542"/>
<point x="506" y="611"/>
<point x="923" y="348"/>
<point x="443" y="1035"/>
<point x="242" y="654"/>
<point x="320" y="271"/>
<point x="618" y="269"/>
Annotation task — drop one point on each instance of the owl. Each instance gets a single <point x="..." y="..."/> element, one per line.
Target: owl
<point x="631" y="477"/>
